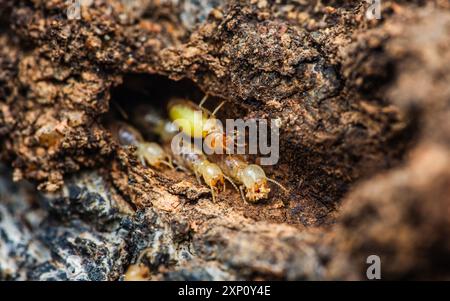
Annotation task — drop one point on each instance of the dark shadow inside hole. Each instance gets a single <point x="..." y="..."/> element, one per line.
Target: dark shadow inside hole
<point x="141" y="94"/>
<point x="151" y="93"/>
<point x="155" y="90"/>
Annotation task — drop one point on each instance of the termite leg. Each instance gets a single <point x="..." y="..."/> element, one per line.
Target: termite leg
<point x="183" y="169"/>
<point x="198" y="177"/>
<point x="231" y="182"/>
<point x="169" y="158"/>
<point x="169" y="162"/>
<point x="242" y="194"/>
<point x="236" y="136"/>
<point x="143" y="162"/>
<point x="213" y="193"/>
<point x="278" y="184"/>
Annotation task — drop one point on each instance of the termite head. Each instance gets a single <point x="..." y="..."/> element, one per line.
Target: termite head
<point x="255" y="181"/>
<point x="212" y="125"/>
<point x="212" y="175"/>
<point x="218" y="142"/>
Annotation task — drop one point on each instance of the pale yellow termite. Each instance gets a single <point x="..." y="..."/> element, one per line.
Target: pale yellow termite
<point x="149" y="153"/>
<point x="251" y="177"/>
<point x="197" y="122"/>
<point x="193" y="159"/>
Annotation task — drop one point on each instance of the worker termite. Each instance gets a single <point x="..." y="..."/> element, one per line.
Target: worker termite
<point x="198" y="122"/>
<point x="249" y="176"/>
<point x="149" y="153"/>
<point x="192" y="158"/>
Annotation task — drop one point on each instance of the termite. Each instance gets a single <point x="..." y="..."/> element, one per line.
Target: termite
<point x="149" y="153"/>
<point x="250" y="177"/>
<point x="193" y="159"/>
<point x="197" y="122"/>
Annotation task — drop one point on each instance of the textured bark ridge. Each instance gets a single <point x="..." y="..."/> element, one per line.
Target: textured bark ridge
<point x="364" y="108"/>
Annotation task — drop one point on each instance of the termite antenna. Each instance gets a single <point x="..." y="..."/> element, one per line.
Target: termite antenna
<point x="242" y="194"/>
<point x="202" y="102"/>
<point x="278" y="184"/>
<point x="217" y="108"/>
<point x="120" y="110"/>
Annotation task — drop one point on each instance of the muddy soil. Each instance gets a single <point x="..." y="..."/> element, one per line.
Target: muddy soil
<point x="364" y="112"/>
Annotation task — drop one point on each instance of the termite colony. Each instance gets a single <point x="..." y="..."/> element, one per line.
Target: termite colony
<point x="213" y="169"/>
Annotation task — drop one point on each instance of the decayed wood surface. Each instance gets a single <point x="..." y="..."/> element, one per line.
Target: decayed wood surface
<point x="364" y="108"/>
